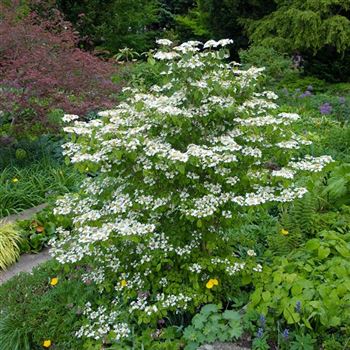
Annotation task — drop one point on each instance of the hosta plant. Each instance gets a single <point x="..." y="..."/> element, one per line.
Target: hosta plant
<point x="170" y="170"/>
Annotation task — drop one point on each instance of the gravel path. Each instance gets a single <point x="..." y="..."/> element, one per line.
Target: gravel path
<point x="26" y="262"/>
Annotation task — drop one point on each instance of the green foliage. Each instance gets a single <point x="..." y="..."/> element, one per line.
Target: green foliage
<point x="338" y="185"/>
<point x="114" y="24"/>
<point x="140" y="74"/>
<point x="301" y="83"/>
<point x="340" y="89"/>
<point x="220" y="19"/>
<point x="126" y="55"/>
<point x="196" y="21"/>
<point x="21" y="153"/>
<point x="336" y="342"/>
<point x="10" y="240"/>
<point x="156" y="339"/>
<point x="45" y="148"/>
<point x="277" y="66"/>
<point x="23" y="188"/>
<point x="303" y="342"/>
<point x="299" y="218"/>
<point x="252" y="231"/>
<point x="337" y="143"/>
<point x="37" y="231"/>
<point x="32" y="310"/>
<point x="300" y="25"/>
<point x="260" y="344"/>
<point x="211" y="325"/>
<point x="316" y="276"/>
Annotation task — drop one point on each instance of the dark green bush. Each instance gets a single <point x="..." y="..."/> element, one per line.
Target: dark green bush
<point x="23" y="152"/>
<point x="139" y="74"/>
<point x="277" y="66"/>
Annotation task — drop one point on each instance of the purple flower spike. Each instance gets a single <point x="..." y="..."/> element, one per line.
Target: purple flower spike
<point x="307" y="93"/>
<point x="260" y="333"/>
<point x="342" y="99"/>
<point x="262" y="321"/>
<point x="285" y="334"/>
<point x="326" y="108"/>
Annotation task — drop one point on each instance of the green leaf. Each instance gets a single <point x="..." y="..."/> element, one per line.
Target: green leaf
<point x="323" y="252"/>
<point x="256" y="296"/>
<point x="343" y="250"/>
<point x="266" y="296"/>
<point x="231" y="315"/>
<point x="198" y="321"/>
<point x="236" y="332"/>
<point x="180" y="168"/>
<point x="192" y="346"/>
<point x="209" y="309"/>
<point x="312" y="244"/>
<point x="296" y="289"/>
<point x="290" y="315"/>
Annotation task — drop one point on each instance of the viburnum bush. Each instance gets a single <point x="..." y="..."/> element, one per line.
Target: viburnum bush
<point x="170" y="171"/>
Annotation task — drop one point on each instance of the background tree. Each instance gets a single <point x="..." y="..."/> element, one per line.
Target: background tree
<point x="304" y="25"/>
<point x="113" y="24"/>
<point x="221" y="19"/>
<point x="320" y="30"/>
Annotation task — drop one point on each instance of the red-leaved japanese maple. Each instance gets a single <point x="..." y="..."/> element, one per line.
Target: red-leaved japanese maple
<point x="42" y="69"/>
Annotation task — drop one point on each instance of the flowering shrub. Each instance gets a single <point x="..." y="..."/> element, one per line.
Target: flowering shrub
<point x="170" y="170"/>
<point x="42" y="70"/>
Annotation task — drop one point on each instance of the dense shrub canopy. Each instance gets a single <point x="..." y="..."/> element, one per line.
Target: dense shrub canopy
<point x="304" y="25"/>
<point x="114" y="24"/>
<point x="41" y="69"/>
<point x="172" y="168"/>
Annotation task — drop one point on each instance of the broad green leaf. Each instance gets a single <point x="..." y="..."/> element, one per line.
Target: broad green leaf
<point x="231" y="315"/>
<point x="323" y="252"/>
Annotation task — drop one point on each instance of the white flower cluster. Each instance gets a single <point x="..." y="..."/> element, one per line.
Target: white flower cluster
<point x="174" y="301"/>
<point x="101" y="323"/>
<point x="195" y="268"/>
<point x="313" y="164"/>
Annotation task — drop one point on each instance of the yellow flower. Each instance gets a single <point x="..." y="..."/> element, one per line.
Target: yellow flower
<point x="14" y="180"/>
<point x="123" y="283"/>
<point x="54" y="281"/>
<point x="211" y="283"/>
<point x="47" y="343"/>
<point x="284" y="232"/>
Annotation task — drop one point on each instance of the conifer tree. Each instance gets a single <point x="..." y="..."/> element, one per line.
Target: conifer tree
<point x="303" y="25"/>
